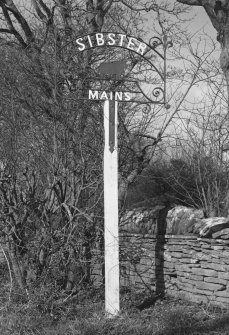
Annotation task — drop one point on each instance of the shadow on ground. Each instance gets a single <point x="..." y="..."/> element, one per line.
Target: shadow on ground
<point x="181" y="323"/>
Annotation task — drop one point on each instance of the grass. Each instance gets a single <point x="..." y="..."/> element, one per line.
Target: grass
<point x="85" y="316"/>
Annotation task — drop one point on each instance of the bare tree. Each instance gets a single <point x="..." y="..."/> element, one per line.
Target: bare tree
<point x="217" y="11"/>
<point x="51" y="182"/>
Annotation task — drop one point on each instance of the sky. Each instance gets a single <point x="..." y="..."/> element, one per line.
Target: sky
<point x="201" y="21"/>
<point x="198" y="24"/>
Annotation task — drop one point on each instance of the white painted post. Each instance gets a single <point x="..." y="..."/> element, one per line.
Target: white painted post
<point x="111" y="216"/>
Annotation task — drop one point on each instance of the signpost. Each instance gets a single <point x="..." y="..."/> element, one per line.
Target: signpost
<point x="111" y="247"/>
<point x="114" y="72"/>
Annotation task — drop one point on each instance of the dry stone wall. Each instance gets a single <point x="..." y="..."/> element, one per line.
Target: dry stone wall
<point x="189" y="267"/>
<point x="155" y="256"/>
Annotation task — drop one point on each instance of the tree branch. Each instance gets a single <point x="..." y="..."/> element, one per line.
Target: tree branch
<point x="66" y="15"/>
<point x="39" y="12"/>
<point x="191" y="2"/>
<point x="11" y="29"/>
<point x="145" y="9"/>
<point x="9" y="6"/>
<point x="45" y="8"/>
<point x="7" y="31"/>
<point x="209" y="8"/>
<point x="107" y="5"/>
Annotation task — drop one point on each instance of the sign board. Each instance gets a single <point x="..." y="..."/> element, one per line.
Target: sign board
<point x="103" y="95"/>
<point x="115" y="72"/>
<point x="111" y="40"/>
<point x="152" y="53"/>
<point x="115" y="69"/>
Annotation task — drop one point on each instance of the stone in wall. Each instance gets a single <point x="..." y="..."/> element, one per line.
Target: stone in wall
<point x="181" y="220"/>
<point x="190" y="266"/>
<point x="223" y="233"/>
<point x="210" y="226"/>
<point x="209" y="286"/>
<point x="224" y="294"/>
<point x="144" y="220"/>
<point x="214" y="266"/>
<point x="215" y="280"/>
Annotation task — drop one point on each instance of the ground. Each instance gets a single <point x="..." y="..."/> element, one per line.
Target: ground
<point x="85" y="316"/>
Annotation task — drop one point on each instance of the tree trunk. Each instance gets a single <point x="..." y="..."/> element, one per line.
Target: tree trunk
<point x="224" y="56"/>
<point x="19" y="275"/>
